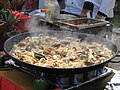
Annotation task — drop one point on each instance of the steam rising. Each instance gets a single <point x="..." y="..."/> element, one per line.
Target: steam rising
<point x="35" y="28"/>
<point x="116" y="37"/>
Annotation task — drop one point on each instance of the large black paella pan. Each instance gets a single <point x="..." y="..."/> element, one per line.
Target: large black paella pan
<point x="8" y="47"/>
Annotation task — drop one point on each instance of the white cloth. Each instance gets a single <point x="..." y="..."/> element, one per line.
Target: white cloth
<point x="111" y="11"/>
<point x="114" y="84"/>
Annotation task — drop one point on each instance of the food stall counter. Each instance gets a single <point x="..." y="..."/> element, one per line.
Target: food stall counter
<point x="16" y="79"/>
<point x="20" y="80"/>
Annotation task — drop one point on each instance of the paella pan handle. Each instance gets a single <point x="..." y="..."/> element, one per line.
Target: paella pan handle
<point x="116" y="60"/>
<point x="118" y="55"/>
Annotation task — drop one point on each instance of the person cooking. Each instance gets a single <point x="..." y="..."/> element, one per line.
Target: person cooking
<point x="100" y="9"/>
<point x="75" y="7"/>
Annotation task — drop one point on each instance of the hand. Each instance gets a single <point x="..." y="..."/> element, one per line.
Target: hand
<point x="83" y="13"/>
<point x="99" y="17"/>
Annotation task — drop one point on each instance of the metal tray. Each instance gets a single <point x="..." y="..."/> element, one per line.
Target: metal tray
<point x="81" y="23"/>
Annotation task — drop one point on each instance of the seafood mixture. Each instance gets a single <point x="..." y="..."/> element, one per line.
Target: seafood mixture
<point x="50" y="51"/>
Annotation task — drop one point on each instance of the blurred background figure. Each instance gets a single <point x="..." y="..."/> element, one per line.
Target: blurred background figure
<point x="76" y="7"/>
<point x="73" y="7"/>
<point x="5" y="4"/>
<point x="24" y="4"/>
<point x="99" y="9"/>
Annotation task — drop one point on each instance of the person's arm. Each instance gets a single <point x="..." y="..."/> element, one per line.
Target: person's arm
<point x="88" y="6"/>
